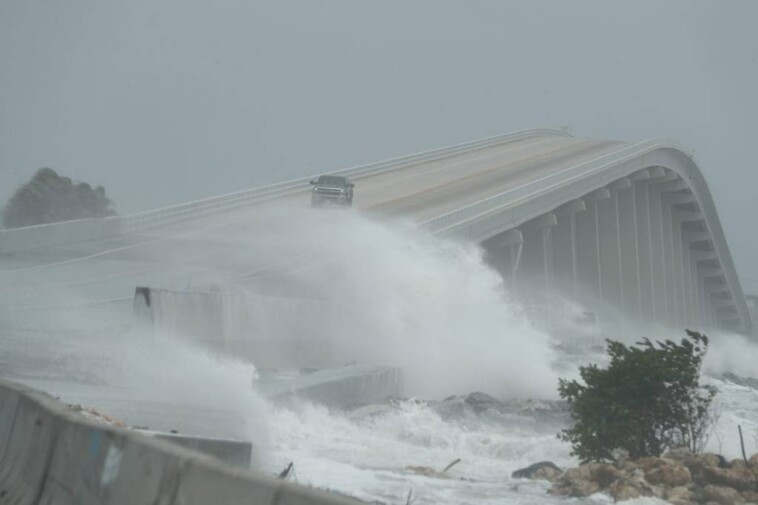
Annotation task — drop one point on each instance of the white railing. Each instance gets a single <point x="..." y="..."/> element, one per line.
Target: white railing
<point x="198" y="208"/>
<point x="513" y="197"/>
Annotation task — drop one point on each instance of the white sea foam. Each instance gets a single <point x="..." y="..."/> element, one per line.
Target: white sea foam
<point x="431" y="306"/>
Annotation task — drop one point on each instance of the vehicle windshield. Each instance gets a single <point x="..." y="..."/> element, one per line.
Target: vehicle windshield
<point x="331" y="180"/>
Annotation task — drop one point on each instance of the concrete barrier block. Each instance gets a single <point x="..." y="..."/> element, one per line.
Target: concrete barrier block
<point x="234" y="452"/>
<point x="290" y="494"/>
<point x="150" y="472"/>
<point x="33" y="436"/>
<point x="203" y="483"/>
<point x="340" y="387"/>
<point x="86" y="459"/>
<point x="56" y="457"/>
<point x="96" y="464"/>
<point x="8" y="403"/>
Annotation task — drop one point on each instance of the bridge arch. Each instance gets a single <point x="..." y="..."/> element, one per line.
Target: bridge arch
<point x="637" y="227"/>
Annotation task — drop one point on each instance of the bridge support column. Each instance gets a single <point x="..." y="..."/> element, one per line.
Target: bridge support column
<point x="659" y="256"/>
<point x="707" y="274"/>
<point x="645" y="257"/>
<point x="672" y="261"/>
<point x="504" y="254"/>
<point x="681" y="271"/>
<point x="710" y="276"/>
<point x="699" y="240"/>
<point x="671" y="196"/>
<point x="629" y="243"/>
<point x="589" y="244"/>
<point x="688" y="222"/>
<point x="565" y="246"/>
<point x="537" y="255"/>
<point x="706" y="317"/>
<point x="610" y="241"/>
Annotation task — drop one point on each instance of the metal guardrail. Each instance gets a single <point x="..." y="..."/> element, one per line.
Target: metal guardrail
<point x="198" y="208"/>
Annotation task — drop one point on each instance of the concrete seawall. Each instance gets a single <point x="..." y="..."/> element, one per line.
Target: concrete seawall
<point x="51" y="455"/>
<point x="339" y="387"/>
<point x="275" y="331"/>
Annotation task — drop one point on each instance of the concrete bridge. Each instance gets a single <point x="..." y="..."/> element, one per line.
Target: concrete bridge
<point x="630" y="226"/>
<point x="633" y="225"/>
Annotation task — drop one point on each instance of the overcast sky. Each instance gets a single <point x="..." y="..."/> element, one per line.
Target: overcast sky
<point x="167" y="101"/>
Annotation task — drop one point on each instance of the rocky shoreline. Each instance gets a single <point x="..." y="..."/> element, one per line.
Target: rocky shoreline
<point x="679" y="477"/>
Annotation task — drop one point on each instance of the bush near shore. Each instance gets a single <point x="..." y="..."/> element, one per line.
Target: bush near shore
<point x="646" y="401"/>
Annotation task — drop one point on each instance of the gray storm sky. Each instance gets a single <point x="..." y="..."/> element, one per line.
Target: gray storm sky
<point x="168" y="101"/>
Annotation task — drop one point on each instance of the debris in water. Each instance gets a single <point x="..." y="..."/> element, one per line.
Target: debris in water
<point x="284" y="474"/>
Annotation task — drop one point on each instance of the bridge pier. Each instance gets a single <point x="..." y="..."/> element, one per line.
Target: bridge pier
<point x="698" y="239"/>
<point x="640" y="243"/>
<point x="686" y="220"/>
<point x="628" y="245"/>
<point x="589" y="249"/>
<point x="662" y="306"/>
<point x="565" y="245"/>
<point x="643" y="229"/>
<point x="670" y="265"/>
<point x="609" y="239"/>
<point x="537" y="253"/>
<point x="504" y="252"/>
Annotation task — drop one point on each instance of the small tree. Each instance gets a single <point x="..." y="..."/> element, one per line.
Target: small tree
<point x="49" y="198"/>
<point x="648" y="400"/>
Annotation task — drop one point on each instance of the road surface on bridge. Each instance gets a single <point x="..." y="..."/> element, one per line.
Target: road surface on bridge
<point x="109" y="269"/>
<point x="195" y="252"/>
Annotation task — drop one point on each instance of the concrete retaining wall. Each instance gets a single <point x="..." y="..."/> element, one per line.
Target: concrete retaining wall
<point x="234" y="452"/>
<point x="339" y="387"/>
<point x="50" y="455"/>
<point x="280" y="332"/>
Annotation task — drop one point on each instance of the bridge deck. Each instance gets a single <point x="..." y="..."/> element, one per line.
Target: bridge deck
<point x="205" y="250"/>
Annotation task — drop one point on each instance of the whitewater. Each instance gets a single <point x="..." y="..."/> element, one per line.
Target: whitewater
<point x="433" y="307"/>
<point x="438" y="310"/>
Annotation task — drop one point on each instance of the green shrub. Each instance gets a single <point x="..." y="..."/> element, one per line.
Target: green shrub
<point x="49" y="198"/>
<point x="649" y="399"/>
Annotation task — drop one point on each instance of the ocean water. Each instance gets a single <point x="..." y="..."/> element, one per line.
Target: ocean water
<point x="369" y="457"/>
<point x="432" y="307"/>
<point x="440" y="312"/>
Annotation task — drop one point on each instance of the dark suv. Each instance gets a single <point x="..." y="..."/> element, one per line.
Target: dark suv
<point x="332" y="189"/>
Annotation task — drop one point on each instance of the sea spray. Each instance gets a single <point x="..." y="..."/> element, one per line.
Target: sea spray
<point x="396" y="296"/>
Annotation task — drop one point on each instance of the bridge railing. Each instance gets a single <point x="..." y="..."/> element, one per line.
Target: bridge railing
<point x="207" y="206"/>
<point x="514" y="206"/>
<point x="447" y="223"/>
<point x="38" y="237"/>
